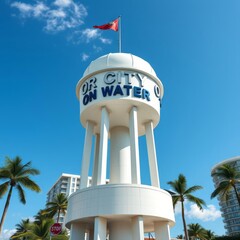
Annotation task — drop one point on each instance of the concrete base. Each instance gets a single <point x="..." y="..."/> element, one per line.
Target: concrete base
<point x="122" y="211"/>
<point x="125" y="229"/>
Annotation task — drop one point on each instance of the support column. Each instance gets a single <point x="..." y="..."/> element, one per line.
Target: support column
<point x="120" y="156"/>
<point x="135" y="164"/>
<point x="103" y="147"/>
<point x="96" y="157"/>
<point x="152" y="157"/>
<point x="77" y="231"/>
<point x="162" y="231"/>
<point x="86" y="155"/>
<point x="138" y="228"/>
<point x="100" y="228"/>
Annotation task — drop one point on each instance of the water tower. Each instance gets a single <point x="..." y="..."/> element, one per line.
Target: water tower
<point x="120" y="97"/>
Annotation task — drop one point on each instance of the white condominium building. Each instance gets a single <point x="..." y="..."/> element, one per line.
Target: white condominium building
<point x="67" y="184"/>
<point x="230" y="210"/>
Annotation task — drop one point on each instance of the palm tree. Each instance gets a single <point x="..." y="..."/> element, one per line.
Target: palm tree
<point x="40" y="231"/>
<point x="40" y="216"/>
<point x="229" y="177"/>
<point x="210" y="235"/>
<point x="196" y="231"/>
<point x="57" y="206"/>
<point x="22" y="227"/>
<point x="182" y="192"/>
<point x="16" y="175"/>
<point x="37" y="231"/>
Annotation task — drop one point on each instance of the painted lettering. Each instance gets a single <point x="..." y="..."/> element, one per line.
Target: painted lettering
<point x="157" y="91"/>
<point x="140" y="79"/>
<point x="109" y="78"/>
<point x="137" y="92"/>
<point x="128" y="77"/>
<point x="146" y="94"/>
<point x="89" y="85"/>
<point x="118" y="91"/>
<point x="107" y="91"/>
<point x="127" y="87"/>
<point x="90" y="97"/>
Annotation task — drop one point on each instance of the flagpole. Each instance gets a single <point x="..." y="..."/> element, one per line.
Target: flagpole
<point x="120" y="34"/>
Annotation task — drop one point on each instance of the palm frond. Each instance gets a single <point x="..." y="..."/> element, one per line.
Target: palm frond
<point x="179" y="185"/>
<point x="50" y="212"/>
<point x="60" y="237"/>
<point x="5" y="174"/>
<point x="3" y="188"/>
<point x="222" y="187"/>
<point x="22" y="235"/>
<point x="196" y="231"/>
<point x="23" y="226"/>
<point x="227" y="171"/>
<point x="28" y="183"/>
<point x="26" y="169"/>
<point x="21" y="194"/>
<point x="59" y="204"/>
<point x="193" y="189"/>
<point x="225" y="194"/>
<point x="198" y="201"/>
<point x="175" y="200"/>
<point x="42" y="230"/>
<point x="30" y="171"/>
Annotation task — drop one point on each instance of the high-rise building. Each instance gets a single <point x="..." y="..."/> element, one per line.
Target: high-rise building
<point x="230" y="209"/>
<point x="67" y="184"/>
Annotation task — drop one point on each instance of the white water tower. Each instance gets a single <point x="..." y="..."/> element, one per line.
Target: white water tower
<point x="120" y="97"/>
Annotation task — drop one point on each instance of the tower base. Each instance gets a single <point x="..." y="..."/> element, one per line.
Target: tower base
<point x="120" y="211"/>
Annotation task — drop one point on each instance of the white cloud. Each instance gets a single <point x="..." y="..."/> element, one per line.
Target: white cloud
<point x="7" y="233"/>
<point x="97" y="48"/>
<point x="39" y="9"/>
<point x="59" y="16"/>
<point x="85" y="57"/>
<point x="28" y="10"/>
<point x="24" y="8"/>
<point x="207" y="214"/>
<point x="79" y="9"/>
<point x="105" y="40"/>
<point x="89" y="34"/>
<point x="210" y="213"/>
<point x="63" y="3"/>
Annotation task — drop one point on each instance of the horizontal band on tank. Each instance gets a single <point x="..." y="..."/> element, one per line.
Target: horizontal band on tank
<point x="154" y="78"/>
<point x="113" y="200"/>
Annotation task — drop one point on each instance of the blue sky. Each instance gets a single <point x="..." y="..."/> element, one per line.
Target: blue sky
<point x="193" y="46"/>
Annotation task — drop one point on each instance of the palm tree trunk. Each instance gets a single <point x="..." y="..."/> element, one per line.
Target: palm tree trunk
<point x="59" y="210"/>
<point x="5" y="208"/>
<point x="184" y="222"/>
<point x="237" y="195"/>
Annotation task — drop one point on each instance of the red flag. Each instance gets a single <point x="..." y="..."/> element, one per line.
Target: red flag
<point x="111" y="25"/>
